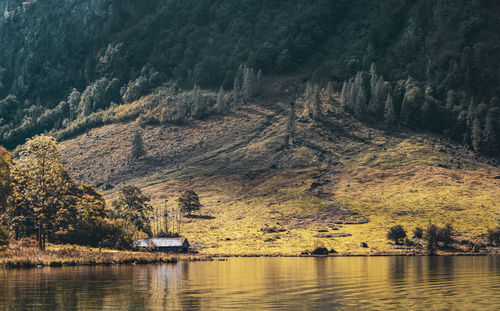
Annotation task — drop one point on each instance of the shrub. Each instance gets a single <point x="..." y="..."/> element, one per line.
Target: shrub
<point x="4" y="236"/>
<point x="27" y="243"/>
<point x="320" y="251"/>
<point x="396" y="233"/>
<point x="435" y="234"/>
<point x="494" y="236"/>
<point x="431" y="236"/>
<point x="445" y="235"/>
<point x="418" y="233"/>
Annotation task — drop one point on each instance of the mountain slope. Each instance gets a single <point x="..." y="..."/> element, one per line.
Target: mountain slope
<point x="267" y="196"/>
<point x="117" y="51"/>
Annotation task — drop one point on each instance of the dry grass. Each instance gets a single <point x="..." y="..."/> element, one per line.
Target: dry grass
<point x="56" y="256"/>
<point x="406" y="179"/>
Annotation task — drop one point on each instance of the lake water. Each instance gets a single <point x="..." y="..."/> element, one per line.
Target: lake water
<point x="380" y="283"/>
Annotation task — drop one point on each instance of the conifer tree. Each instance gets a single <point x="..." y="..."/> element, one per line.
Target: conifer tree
<point x="412" y="100"/>
<point x="138" y="146"/>
<point x="390" y="118"/>
<point x="307" y="99"/>
<point x="258" y="83"/>
<point x="360" y="108"/>
<point x="491" y="130"/>
<point x="73" y="102"/>
<point x="248" y="85"/>
<point x="220" y="104"/>
<point x="476" y="134"/>
<point x="329" y="91"/>
<point x="315" y="103"/>
<point x="374" y="78"/>
<point x="237" y="98"/>
<point x="343" y="93"/>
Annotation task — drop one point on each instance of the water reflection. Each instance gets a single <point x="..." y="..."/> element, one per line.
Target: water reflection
<point x="261" y="283"/>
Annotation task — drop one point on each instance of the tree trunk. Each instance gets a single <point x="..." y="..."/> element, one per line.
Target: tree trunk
<point x="39" y="236"/>
<point x="44" y="237"/>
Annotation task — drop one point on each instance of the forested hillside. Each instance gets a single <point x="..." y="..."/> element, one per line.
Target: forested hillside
<point x="63" y="61"/>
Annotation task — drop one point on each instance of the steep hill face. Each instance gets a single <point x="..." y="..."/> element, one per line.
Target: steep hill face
<point x="105" y="47"/>
<point x="279" y="170"/>
<point x="334" y="182"/>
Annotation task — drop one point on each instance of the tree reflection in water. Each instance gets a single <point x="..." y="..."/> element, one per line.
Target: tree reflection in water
<point x="260" y="283"/>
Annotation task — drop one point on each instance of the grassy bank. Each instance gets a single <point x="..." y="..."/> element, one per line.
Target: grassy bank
<point x="57" y="256"/>
<point x="340" y="184"/>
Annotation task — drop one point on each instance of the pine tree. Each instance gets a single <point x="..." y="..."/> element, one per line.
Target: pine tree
<point x="360" y="110"/>
<point x="307" y="99"/>
<point x="291" y="124"/>
<point x="258" y="83"/>
<point x="73" y="102"/>
<point x="220" y="104"/>
<point x="343" y="93"/>
<point x="413" y="98"/>
<point x="329" y="91"/>
<point x="491" y="133"/>
<point x="374" y="78"/>
<point x="238" y="79"/>
<point x="248" y="86"/>
<point x="476" y="134"/>
<point x="359" y="97"/>
<point x="198" y="109"/>
<point x="138" y="146"/>
<point x="315" y="103"/>
<point x="390" y="118"/>
<point x="237" y="95"/>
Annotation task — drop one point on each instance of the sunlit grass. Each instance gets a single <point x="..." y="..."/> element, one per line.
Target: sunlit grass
<point x="72" y="255"/>
<point x="403" y="186"/>
<point x="404" y="178"/>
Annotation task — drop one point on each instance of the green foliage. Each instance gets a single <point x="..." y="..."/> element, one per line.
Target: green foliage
<point x="86" y="222"/>
<point x="134" y="47"/>
<point x="435" y="235"/>
<point x="418" y="233"/>
<point x="390" y="118"/>
<point x="431" y="237"/>
<point x="5" y="187"/>
<point x="40" y="188"/>
<point x="396" y="234"/>
<point x="137" y="146"/>
<point x="413" y="99"/>
<point x="133" y="207"/>
<point x="46" y="202"/>
<point x="312" y="101"/>
<point x="494" y="236"/>
<point x="4" y="235"/>
<point x="189" y="202"/>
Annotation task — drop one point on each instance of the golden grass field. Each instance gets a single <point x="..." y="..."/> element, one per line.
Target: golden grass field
<point x="21" y="256"/>
<point x="250" y="179"/>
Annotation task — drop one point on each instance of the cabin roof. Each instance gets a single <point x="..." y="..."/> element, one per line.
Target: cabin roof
<point x="161" y="242"/>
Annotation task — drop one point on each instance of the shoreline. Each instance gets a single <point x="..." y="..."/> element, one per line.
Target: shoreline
<point x="382" y="254"/>
<point x="33" y="258"/>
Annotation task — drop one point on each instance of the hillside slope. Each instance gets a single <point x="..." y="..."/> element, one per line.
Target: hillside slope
<point x="262" y="194"/>
<point x="115" y="51"/>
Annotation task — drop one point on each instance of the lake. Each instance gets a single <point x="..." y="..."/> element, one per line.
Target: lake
<point x="345" y="283"/>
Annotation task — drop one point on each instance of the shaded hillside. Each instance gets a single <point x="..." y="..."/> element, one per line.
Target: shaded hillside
<point x="336" y="184"/>
<point x="117" y="51"/>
